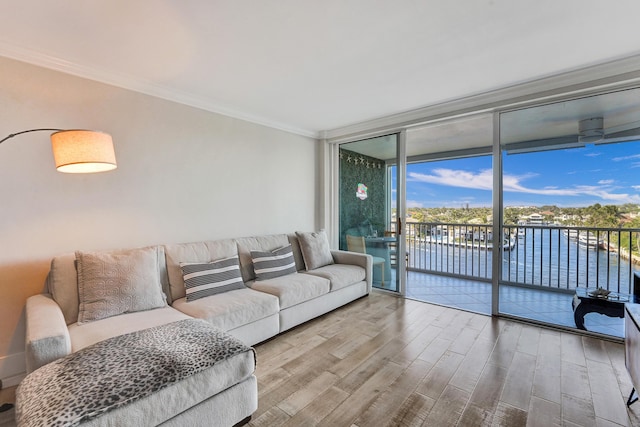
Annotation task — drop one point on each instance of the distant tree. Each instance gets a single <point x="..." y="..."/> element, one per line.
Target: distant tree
<point x="635" y="235"/>
<point x="603" y="216"/>
<point x="417" y="214"/>
<point x="511" y="216"/>
<point x="628" y="208"/>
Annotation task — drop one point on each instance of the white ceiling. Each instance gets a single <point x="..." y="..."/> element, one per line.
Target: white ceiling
<point x="312" y="65"/>
<point x="464" y="133"/>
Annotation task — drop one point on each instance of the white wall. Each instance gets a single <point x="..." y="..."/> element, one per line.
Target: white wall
<point x="183" y="175"/>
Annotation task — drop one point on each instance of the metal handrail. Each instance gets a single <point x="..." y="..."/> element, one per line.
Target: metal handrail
<point x="555" y="257"/>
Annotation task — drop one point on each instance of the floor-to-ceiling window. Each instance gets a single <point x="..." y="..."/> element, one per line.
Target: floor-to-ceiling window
<point x="535" y="202"/>
<point x="571" y="196"/>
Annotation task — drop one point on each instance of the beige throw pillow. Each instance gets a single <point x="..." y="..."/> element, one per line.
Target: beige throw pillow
<point x="315" y="249"/>
<point x="112" y="283"/>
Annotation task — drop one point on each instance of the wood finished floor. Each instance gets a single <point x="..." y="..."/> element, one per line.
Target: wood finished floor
<point x="387" y="361"/>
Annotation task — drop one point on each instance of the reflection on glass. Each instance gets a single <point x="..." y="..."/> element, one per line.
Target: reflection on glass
<point x="365" y="204"/>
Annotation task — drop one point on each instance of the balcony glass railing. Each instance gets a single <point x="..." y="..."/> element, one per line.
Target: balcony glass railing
<point x="555" y="257"/>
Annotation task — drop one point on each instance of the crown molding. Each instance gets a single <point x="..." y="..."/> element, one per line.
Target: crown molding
<point x="142" y="86"/>
<point x="599" y="76"/>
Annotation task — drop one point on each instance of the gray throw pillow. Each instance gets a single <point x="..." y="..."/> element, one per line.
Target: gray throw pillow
<point x="268" y="265"/>
<point x="315" y="249"/>
<point x="112" y="283"/>
<point x="205" y="279"/>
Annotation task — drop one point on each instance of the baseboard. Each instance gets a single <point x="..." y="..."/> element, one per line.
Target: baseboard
<point x="12" y="369"/>
<point x="13" y="381"/>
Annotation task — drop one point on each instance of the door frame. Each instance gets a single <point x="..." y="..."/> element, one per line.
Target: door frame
<point x="332" y="210"/>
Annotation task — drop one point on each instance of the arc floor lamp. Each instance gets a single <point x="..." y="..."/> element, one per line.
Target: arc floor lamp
<point x="78" y="150"/>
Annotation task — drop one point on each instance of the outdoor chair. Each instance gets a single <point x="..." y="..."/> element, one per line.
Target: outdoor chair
<point x="356" y="244"/>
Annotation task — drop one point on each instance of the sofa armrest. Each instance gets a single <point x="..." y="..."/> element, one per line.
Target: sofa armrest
<point x="47" y="336"/>
<point x="354" y="258"/>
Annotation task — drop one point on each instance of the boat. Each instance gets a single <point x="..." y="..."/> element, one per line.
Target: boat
<point x="478" y="240"/>
<point x="589" y="240"/>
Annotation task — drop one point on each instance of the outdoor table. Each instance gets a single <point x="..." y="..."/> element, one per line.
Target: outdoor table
<point x="612" y="305"/>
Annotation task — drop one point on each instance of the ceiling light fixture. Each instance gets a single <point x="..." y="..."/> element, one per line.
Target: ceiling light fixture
<point x="79" y="151"/>
<point x="590" y="130"/>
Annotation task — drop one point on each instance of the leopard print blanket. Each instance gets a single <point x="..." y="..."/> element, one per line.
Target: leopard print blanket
<point x="120" y="370"/>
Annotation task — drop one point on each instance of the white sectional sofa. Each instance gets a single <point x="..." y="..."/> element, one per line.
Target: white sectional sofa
<point x="226" y="393"/>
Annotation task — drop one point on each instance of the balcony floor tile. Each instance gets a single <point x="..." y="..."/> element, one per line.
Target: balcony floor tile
<point x="541" y="305"/>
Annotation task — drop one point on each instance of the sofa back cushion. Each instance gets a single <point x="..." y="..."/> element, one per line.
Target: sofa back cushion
<point x="62" y="283"/>
<point x="197" y="252"/>
<point x="297" y="253"/>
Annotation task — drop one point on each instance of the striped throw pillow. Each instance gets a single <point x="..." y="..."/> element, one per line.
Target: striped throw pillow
<point x="203" y="280"/>
<point x="268" y="265"/>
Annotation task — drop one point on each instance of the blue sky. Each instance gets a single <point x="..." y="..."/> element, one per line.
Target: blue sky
<point x="606" y="174"/>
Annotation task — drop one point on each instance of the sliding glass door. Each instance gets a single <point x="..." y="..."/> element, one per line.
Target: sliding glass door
<point x="532" y="212"/>
<point x="370" y="213"/>
<point x="449" y="217"/>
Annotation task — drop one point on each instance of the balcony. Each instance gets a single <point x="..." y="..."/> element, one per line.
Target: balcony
<point x="541" y="267"/>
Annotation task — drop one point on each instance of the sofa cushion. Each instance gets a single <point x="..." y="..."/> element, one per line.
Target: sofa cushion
<point x="83" y="335"/>
<point x="276" y="263"/>
<point x="340" y="275"/>
<point x="117" y="282"/>
<point x="198" y="252"/>
<point x="216" y="277"/>
<point x="293" y="288"/>
<point x="231" y="309"/>
<point x="315" y="249"/>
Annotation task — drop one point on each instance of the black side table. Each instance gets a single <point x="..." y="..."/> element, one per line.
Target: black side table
<point x="583" y="303"/>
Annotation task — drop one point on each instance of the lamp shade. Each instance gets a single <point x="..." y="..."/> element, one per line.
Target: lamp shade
<point x="83" y="151"/>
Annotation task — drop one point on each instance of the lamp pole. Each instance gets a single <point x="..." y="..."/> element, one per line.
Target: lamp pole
<point x="26" y="131"/>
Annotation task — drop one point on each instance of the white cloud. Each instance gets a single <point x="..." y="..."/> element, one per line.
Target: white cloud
<point x="634" y="156"/>
<point x="414" y="204"/>
<point x="593" y="154"/>
<point x="456" y="178"/>
<point x="636" y="187"/>
<point x="483" y="180"/>
<point x="606" y="181"/>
